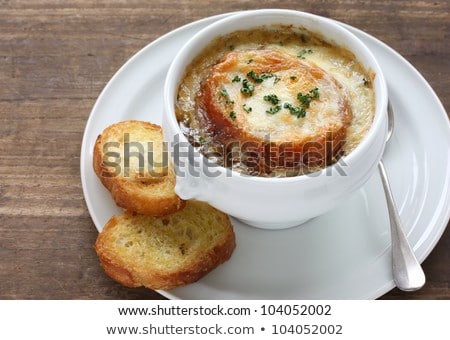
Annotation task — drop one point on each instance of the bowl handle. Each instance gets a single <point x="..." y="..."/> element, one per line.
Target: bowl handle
<point x="190" y="179"/>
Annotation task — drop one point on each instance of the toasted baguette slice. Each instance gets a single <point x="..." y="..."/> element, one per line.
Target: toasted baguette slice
<point x="142" y="183"/>
<point x="311" y="140"/>
<point x="165" y="252"/>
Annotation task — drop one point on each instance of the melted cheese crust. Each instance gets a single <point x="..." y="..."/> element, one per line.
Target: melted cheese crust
<point x="212" y="108"/>
<point x="286" y="77"/>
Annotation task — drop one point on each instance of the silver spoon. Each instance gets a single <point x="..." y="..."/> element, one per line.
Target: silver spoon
<point x="407" y="272"/>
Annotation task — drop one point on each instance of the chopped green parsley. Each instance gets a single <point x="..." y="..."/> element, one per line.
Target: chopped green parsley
<point x="272" y="98"/>
<point x="274" y="109"/>
<point x="297" y="111"/>
<point x="224" y="92"/>
<point x="246" y="108"/>
<point x="236" y="79"/>
<point x="247" y="88"/>
<point x="305" y="99"/>
<point x="259" y="78"/>
<point x="303" y="52"/>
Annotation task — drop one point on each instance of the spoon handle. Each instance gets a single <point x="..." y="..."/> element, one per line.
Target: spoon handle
<point x="407" y="272"/>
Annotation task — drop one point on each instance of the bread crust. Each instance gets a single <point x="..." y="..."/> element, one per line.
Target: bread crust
<point x="129" y="271"/>
<point x="154" y="197"/>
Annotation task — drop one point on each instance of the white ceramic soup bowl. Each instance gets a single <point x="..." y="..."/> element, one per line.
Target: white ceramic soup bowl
<point x="272" y="203"/>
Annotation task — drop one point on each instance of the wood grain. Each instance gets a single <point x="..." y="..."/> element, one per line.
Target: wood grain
<point x="56" y="57"/>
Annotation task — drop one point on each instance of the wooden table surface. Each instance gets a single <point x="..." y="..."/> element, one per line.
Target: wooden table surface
<point x="56" y="57"/>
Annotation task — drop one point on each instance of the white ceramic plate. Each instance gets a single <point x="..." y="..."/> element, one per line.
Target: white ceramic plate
<point x="344" y="254"/>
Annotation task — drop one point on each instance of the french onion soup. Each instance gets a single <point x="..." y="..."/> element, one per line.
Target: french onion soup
<point x="275" y="102"/>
